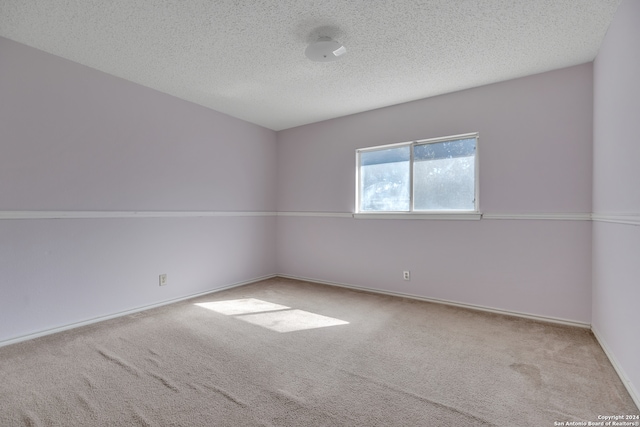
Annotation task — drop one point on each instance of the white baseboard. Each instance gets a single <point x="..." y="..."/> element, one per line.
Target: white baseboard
<point x="621" y="373"/>
<point x="547" y="319"/>
<point x="127" y="312"/>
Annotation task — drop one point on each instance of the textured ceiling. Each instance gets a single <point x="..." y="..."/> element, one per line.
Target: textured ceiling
<point x="246" y="57"/>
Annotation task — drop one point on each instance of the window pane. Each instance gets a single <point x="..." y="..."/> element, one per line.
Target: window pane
<point x="444" y="175"/>
<point x="384" y="180"/>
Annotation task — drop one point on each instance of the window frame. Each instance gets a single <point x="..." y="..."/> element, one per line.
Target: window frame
<point x="420" y="214"/>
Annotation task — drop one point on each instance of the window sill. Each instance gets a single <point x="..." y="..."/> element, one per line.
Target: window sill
<point x="465" y="216"/>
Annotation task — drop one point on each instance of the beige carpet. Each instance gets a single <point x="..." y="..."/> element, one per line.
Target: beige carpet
<point x="281" y="353"/>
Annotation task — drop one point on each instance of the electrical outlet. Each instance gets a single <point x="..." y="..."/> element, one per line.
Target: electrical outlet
<point x="406" y="275"/>
<point x="163" y="279"/>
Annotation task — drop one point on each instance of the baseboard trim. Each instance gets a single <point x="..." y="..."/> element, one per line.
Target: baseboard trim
<point x="6" y="215"/>
<point x="450" y="216"/>
<point x="580" y="216"/>
<point x="629" y="218"/>
<point x="127" y="312"/>
<point x="318" y="214"/>
<point x="546" y="319"/>
<point x="635" y="396"/>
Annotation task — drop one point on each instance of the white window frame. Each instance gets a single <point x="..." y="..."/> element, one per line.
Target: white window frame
<point x="413" y="214"/>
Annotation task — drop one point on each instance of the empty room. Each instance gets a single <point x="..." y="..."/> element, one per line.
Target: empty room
<point x="362" y="213"/>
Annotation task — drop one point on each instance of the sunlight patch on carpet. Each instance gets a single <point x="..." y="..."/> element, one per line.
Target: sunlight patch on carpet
<point x="241" y="306"/>
<point x="291" y="320"/>
<point x="275" y="317"/>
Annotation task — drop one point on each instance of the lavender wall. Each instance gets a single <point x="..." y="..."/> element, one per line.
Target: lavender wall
<point x="616" y="177"/>
<point x="535" y="157"/>
<point x="535" y="145"/>
<point x="75" y="139"/>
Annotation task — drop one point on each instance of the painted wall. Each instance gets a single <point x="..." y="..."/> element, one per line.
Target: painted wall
<point x="616" y="190"/>
<point x="75" y="139"/>
<point x="535" y="153"/>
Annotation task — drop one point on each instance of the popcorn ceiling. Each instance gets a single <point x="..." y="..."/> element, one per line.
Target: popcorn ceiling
<point x="246" y="57"/>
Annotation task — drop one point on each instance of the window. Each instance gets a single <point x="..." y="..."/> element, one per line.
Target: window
<point x="428" y="176"/>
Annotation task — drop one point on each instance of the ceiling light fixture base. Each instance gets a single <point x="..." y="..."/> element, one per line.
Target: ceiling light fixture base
<point x="325" y="50"/>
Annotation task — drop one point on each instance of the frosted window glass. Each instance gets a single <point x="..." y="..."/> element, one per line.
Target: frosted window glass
<point x="384" y="180"/>
<point x="444" y="176"/>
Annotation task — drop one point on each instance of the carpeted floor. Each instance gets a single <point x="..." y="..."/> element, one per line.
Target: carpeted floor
<point x="288" y="353"/>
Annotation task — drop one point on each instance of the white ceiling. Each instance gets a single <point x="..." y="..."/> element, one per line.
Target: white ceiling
<point x="246" y="57"/>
